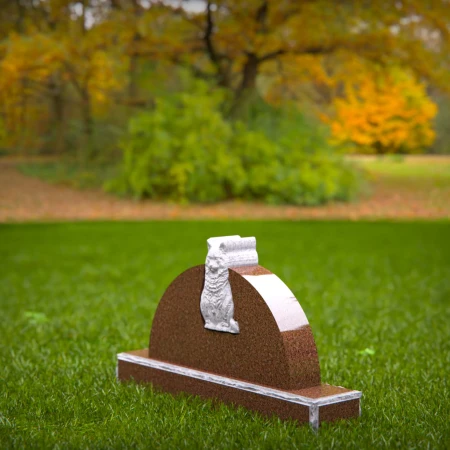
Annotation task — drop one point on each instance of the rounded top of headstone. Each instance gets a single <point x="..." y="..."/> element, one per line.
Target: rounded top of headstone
<point x="274" y="347"/>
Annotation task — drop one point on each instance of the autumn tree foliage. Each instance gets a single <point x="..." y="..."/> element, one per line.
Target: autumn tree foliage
<point x="56" y="61"/>
<point x="386" y="112"/>
<point x="62" y="60"/>
<point x="243" y="39"/>
<point x="27" y="65"/>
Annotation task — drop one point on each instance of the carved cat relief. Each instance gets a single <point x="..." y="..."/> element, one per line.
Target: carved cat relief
<point x="216" y="302"/>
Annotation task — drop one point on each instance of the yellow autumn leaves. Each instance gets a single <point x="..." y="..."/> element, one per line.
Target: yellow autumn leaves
<point x="26" y="63"/>
<point x="36" y="66"/>
<point x="66" y="63"/>
<point x="385" y="112"/>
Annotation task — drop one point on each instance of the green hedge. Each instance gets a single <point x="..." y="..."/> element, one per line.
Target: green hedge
<point x="184" y="150"/>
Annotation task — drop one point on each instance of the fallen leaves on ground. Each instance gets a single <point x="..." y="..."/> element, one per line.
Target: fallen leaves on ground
<point x="28" y="199"/>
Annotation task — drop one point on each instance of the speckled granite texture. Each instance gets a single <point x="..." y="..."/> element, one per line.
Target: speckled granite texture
<point x="260" y="354"/>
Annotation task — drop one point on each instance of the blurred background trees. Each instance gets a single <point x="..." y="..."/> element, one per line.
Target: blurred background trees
<point x="88" y="79"/>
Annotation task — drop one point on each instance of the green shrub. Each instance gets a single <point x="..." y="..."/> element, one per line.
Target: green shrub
<point x="184" y="150"/>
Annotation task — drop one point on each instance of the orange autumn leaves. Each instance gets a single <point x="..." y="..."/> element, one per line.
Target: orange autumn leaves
<point x="386" y="112"/>
<point x="369" y="108"/>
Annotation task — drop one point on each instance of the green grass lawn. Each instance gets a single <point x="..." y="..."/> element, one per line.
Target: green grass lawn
<point x="415" y="166"/>
<point x="74" y="295"/>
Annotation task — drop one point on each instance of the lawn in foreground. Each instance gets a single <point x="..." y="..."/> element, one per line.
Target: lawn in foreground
<point x="377" y="296"/>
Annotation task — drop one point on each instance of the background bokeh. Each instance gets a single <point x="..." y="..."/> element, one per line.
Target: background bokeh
<point x="210" y="101"/>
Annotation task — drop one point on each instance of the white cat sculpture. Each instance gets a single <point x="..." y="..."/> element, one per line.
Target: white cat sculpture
<point x="216" y="302"/>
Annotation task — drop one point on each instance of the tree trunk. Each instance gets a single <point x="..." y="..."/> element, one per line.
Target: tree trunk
<point x="86" y="148"/>
<point x="58" y="115"/>
<point x="133" y="68"/>
<point x="60" y="123"/>
<point x="22" y="143"/>
<point x="246" y="91"/>
<point x="20" y="16"/>
<point x="133" y="74"/>
<point x="132" y="79"/>
<point x="249" y="73"/>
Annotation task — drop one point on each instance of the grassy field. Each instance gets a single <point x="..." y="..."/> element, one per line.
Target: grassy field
<point x="414" y="167"/>
<point x="74" y="295"/>
<point x="403" y="167"/>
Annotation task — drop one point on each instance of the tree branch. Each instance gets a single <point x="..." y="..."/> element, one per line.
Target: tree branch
<point x="271" y="55"/>
<point x="261" y="16"/>
<point x="215" y="57"/>
<point x="317" y="50"/>
<point x="208" y="36"/>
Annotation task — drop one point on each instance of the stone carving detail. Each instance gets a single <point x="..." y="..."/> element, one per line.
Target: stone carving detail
<point x="216" y="302"/>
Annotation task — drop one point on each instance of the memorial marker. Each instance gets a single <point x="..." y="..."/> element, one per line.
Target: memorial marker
<point x="231" y="330"/>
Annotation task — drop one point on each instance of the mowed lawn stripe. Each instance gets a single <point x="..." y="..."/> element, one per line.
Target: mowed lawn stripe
<point x="72" y="296"/>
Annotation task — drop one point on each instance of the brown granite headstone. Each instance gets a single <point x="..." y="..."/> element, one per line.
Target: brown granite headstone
<point x="233" y="331"/>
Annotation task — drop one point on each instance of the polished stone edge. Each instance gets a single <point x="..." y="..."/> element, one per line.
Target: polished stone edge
<point x="312" y="403"/>
<point x="283" y="305"/>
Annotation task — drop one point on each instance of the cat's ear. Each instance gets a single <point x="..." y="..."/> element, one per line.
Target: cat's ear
<point x="222" y="246"/>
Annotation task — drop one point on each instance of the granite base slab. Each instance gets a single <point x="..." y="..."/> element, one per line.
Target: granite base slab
<point x="314" y="404"/>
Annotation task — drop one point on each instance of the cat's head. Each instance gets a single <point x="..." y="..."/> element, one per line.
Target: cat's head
<point x="216" y="262"/>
